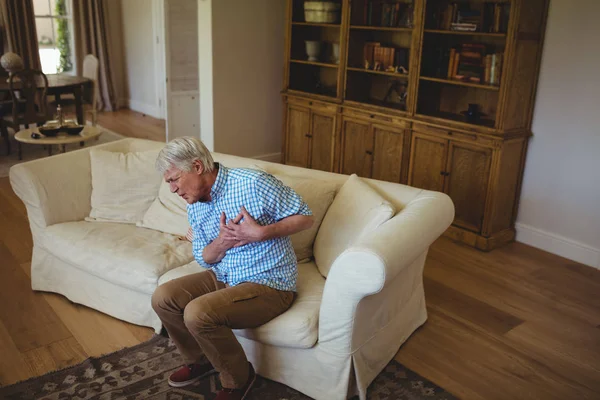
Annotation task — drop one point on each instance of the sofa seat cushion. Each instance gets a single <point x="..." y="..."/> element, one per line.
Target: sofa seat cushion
<point x="122" y="254"/>
<point x="298" y="326"/>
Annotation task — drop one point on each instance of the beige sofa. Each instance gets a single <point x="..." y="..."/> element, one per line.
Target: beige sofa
<point x="338" y="335"/>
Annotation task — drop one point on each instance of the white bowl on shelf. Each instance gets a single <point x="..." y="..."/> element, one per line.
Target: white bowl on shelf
<point x="322" y="12"/>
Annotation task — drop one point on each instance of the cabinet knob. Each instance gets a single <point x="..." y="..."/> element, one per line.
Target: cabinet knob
<point x="444" y="173"/>
<point x="372" y="116"/>
<point x="308" y="135"/>
<point x="310" y="103"/>
<point x="369" y="152"/>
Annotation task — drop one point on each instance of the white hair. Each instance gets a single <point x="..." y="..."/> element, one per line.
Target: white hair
<point x="181" y="154"/>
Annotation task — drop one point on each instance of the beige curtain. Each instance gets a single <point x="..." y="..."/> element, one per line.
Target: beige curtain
<point x="92" y="37"/>
<point x="17" y="22"/>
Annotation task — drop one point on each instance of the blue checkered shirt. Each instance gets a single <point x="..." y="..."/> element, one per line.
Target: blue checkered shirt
<point x="270" y="262"/>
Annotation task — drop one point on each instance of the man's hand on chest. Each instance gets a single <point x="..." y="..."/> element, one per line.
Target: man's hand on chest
<point x="244" y="229"/>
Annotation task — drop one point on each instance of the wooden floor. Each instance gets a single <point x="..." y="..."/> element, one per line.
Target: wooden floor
<point x="516" y="323"/>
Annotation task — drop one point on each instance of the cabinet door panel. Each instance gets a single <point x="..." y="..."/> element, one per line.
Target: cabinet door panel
<point x="298" y="120"/>
<point x="357" y="148"/>
<point x="467" y="184"/>
<point x="427" y="162"/>
<point x="323" y="135"/>
<point x="387" y="157"/>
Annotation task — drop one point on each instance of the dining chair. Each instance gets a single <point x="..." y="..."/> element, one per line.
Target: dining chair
<point x="27" y="90"/>
<point x="90" y="94"/>
<point x="90" y="71"/>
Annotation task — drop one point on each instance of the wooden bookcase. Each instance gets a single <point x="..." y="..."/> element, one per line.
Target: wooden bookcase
<point x="406" y="120"/>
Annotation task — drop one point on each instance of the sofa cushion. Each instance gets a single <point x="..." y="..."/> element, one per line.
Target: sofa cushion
<point x="298" y="326"/>
<point x="168" y="213"/>
<point x="318" y="195"/>
<point x="122" y="254"/>
<point x="124" y="185"/>
<point x="356" y="211"/>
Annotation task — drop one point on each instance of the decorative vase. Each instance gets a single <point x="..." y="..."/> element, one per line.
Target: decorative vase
<point x="313" y="49"/>
<point x="336" y="53"/>
<point x="472" y="114"/>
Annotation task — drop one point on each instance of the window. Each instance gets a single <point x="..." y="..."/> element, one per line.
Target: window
<point x="54" y="25"/>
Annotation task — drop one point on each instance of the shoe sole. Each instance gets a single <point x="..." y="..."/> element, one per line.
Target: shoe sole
<point x="189" y="382"/>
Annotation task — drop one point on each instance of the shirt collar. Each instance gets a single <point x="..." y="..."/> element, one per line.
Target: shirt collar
<point x="219" y="186"/>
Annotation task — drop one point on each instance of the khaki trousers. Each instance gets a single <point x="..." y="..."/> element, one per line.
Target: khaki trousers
<point x="199" y="312"/>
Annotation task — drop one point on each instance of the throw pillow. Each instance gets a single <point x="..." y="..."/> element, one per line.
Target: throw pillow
<point x="168" y="213"/>
<point x="318" y="195"/>
<point x="356" y="211"/>
<point x="124" y="185"/>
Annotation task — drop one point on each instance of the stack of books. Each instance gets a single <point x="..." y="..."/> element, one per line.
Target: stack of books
<point x="383" y="58"/>
<point x="467" y="20"/>
<point x="471" y="63"/>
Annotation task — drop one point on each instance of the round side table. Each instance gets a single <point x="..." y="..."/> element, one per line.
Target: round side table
<point x="62" y="139"/>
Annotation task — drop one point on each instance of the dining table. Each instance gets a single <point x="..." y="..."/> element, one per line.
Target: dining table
<point x="59" y="84"/>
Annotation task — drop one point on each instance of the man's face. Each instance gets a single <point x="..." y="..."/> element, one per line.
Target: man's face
<point x="191" y="186"/>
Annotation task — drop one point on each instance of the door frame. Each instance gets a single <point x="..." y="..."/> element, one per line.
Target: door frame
<point x="160" y="51"/>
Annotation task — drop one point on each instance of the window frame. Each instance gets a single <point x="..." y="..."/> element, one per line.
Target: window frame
<point x="53" y="18"/>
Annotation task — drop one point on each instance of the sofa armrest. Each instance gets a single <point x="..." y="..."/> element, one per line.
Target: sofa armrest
<point x="368" y="267"/>
<point x="54" y="189"/>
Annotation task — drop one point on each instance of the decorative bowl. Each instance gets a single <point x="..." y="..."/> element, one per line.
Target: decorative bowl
<point x="72" y="129"/>
<point x="49" y="131"/>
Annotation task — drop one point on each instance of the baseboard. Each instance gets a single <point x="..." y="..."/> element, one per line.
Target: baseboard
<point x="144" y="108"/>
<point x="272" y="157"/>
<point x="558" y="245"/>
<point x="122" y="103"/>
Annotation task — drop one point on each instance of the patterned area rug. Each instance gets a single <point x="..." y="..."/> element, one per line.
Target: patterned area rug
<point x="35" y="151"/>
<point x="141" y="372"/>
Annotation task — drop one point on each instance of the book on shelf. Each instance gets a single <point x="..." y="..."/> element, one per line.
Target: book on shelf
<point x="369" y="52"/>
<point x="501" y="15"/>
<point x="386" y="13"/>
<point x="463" y="27"/>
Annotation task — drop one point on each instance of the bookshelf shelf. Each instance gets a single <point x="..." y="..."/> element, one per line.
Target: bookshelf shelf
<point x="461" y="83"/>
<point x="379" y="28"/>
<point x="316" y="96"/>
<point x="368" y="71"/>
<point x="315" y="63"/>
<point x="447" y="32"/>
<point x="316" y="24"/>
<point x="445" y="116"/>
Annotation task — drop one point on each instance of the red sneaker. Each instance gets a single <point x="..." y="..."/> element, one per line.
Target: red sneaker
<point x="241" y="393"/>
<point x="189" y="374"/>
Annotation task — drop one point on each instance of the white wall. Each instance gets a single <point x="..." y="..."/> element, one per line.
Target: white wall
<point x="560" y="200"/>
<point x="141" y="60"/>
<point x="247" y="70"/>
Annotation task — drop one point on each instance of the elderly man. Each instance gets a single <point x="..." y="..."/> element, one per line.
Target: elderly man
<point x="241" y="220"/>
